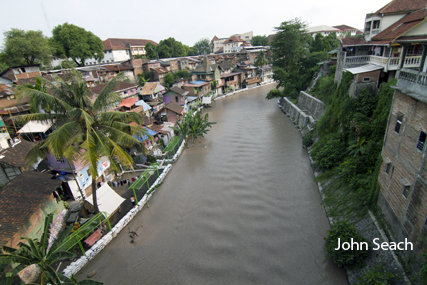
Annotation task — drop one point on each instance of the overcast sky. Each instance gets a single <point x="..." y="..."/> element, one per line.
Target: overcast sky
<point x="185" y="20"/>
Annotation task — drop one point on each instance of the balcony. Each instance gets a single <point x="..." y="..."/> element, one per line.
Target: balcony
<point x="356" y="60"/>
<point x="412" y="61"/>
<point x="394" y="63"/>
<point x="413" y="82"/>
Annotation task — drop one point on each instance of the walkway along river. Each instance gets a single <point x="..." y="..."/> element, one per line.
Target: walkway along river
<point x="240" y="206"/>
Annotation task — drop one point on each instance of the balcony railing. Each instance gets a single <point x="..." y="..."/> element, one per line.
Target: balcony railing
<point x="375" y="31"/>
<point x="379" y="60"/>
<point x="412" y="61"/>
<point x="394" y="63"/>
<point x="413" y="81"/>
<point x="356" y="60"/>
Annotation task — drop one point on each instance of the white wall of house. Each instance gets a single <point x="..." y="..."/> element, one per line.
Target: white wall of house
<point x="389" y="20"/>
<point x="421" y="29"/>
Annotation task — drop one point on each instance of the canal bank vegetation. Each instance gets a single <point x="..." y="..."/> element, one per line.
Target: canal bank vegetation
<point x="193" y="125"/>
<point x="295" y="54"/>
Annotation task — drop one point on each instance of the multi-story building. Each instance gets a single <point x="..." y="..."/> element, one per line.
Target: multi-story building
<point x="403" y="175"/>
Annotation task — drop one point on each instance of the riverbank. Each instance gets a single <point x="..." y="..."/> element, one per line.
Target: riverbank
<point x="369" y="229"/>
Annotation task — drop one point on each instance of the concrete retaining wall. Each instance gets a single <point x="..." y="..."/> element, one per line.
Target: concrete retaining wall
<point x="313" y="105"/>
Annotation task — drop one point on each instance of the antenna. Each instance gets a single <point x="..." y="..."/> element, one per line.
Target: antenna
<point x="45" y="16"/>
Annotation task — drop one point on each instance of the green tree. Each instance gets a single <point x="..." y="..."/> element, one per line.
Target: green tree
<point x="193" y="125"/>
<point x="73" y="42"/>
<point x="259" y="40"/>
<point x="84" y="131"/>
<point x="202" y="46"/>
<point x="260" y="59"/>
<point x="25" y="48"/>
<point x="170" y="48"/>
<point x="289" y="47"/>
<point x="190" y="51"/>
<point x="40" y="253"/>
<point x="168" y="80"/>
<point x="151" y="51"/>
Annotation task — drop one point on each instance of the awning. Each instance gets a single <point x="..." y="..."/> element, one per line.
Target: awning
<point x="323" y="62"/>
<point x="144" y="137"/>
<point x="364" y="68"/>
<point x="129" y="102"/>
<point x="206" y="100"/>
<point x="35" y="127"/>
<point x="142" y="103"/>
<point x="108" y="200"/>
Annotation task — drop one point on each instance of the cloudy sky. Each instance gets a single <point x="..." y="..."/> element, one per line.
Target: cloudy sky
<point x="185" y="20"/>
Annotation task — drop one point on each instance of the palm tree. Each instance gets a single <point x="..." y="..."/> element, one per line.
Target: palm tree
<point x="84" y="129"/>
<point x="193" y="125"/>
<point x="261" y="60"/>
<point x="42" y="254"/>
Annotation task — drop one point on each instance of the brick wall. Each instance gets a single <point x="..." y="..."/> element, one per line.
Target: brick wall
<point x="372" y="75"/>
<point x="408" y="165"/>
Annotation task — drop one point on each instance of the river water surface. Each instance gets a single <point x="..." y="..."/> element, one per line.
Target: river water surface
<point x="240" y="206"/>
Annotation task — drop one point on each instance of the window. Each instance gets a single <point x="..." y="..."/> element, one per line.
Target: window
<point x="406" y="190"/>
<point x="366" y="79"/>
<point x="398" y="123"/>
<point x="368" y="26"/>
<point x="376" y="24"/>
<point x="387" y="168"/>
<point x="421" y="141"/>
<point x="176" y="99"/>
<point x="60" y="159"/>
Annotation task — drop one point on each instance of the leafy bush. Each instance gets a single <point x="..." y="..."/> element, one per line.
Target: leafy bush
<point x="307" y="141"/>
<point x="345" y="231"/>
<point x="330" y="153"/>
<point x="151" y="159"/>
<point x="377" y="275"/>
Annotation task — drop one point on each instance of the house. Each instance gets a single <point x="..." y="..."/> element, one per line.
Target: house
<point x="159" y="73"/>
<point x="150" y="90"/>
<point x="12" y="160"/>
<point x="217" y="44"/>
<point x="170" y="64"/>
<point x="81" y="170"/>
<point x="20" y="72"/>
<point x="164" y="131"/>
<point x="24" y="204"/>
<point x="172" y="112"/>
<point x="176" y="95"/>
<point x="403" y="173"/>
<point x="147" y="65"/>
<point x="119" y="50"/>
<point x="183" y="63"/>
<point x="233" y="44"/>
<point x="197" y="88"/>
<point x="345" y="30"/>
<point x="124" y="89"/>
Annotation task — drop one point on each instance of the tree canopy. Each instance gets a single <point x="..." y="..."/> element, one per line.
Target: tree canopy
<point x="324" y="44"/>
<point x="294" y="65"/>
<point x="202" y="46"/>
<point x="165" y="49"/>
<point x="259" y="40"/>
<point x="25" y="48"/>
<point x="84" y="131"/>
<point x="260" y="59"/>
<point x="70" y="41"/>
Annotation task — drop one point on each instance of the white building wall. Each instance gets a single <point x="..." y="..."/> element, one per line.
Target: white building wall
<point x="389" y="20"/>
<point x="421" y="29"/>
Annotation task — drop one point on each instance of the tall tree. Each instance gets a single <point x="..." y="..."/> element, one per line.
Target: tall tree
<point x="151" y="51"/>
<point x="42" y="254"/>
<point x="193" y="125"/>
<point x="73" y="42"/>
<point x="260" y="59"/>
<point x="289" y="47"/>
<point x="259" y="40"/>
<point x="202" y="46"/>
<point x="170" y="48"/>
<point x="25" y="48"/>
<point x="83" y="130"/>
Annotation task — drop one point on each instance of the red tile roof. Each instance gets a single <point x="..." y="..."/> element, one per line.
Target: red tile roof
<point x="233" y="39"/>
<point x="117" y="44"/>
<point x="353" y="41"/>
<point x="215" y="38"/>
<point x="397" y="6"/>
<point x="15" y="156"/>
<point x="121" y="86"/>
<point x="21" y="198"/>
<point x="160" y="70"/>
<point x="402" y="26"/>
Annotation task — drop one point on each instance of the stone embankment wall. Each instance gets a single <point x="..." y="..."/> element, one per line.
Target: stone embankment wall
<point x="306" y="113"/>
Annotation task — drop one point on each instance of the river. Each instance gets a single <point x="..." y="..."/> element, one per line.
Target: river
<point x="240" y="206"/>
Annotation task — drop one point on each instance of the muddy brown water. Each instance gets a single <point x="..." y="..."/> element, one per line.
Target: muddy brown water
<point x="240" y="206"/>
